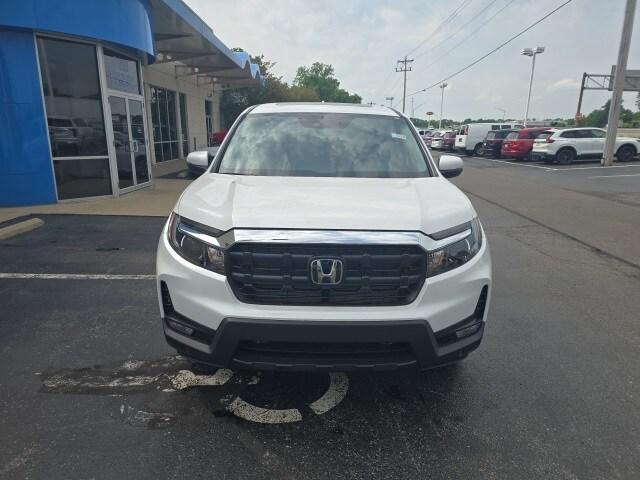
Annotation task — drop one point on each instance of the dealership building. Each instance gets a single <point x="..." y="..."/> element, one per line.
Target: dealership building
<point x="93" y="93"/>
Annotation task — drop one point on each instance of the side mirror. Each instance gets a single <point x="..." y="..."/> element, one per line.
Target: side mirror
<point x="450" y="166"/>
<point x="199" y="158"/>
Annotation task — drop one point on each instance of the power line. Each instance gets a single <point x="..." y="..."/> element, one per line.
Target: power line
<point x="454" y="14"/>
<point x="386" y="80"/>
<point x="494" y="50"/>
<point x="473" y="32"/>
<point x="474" y="18"/>
<point x="461" y="7"/>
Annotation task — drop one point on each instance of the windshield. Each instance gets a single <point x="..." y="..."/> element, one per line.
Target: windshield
<point x="324" y="145"/>
<point x="512" y="136"/>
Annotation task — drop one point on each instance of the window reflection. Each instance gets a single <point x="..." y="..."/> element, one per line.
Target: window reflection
<point x="163" y="118"/>
<point x="85" y="177"/>
<point x="121" y="72"/>
<point x="71" y="90"/>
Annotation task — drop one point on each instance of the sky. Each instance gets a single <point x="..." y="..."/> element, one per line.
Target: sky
<point x="363" y="39"/>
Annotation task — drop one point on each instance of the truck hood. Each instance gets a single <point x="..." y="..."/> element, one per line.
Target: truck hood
<point x="228" y="201"/>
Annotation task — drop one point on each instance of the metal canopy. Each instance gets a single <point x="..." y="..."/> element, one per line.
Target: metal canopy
<point x="180" y="35"/>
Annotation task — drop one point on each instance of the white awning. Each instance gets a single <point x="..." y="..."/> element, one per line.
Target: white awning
<point x="181" y="36"/>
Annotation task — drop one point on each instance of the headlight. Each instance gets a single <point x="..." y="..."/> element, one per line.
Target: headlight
<point x="196" y="243"/>
<point x="457" y="254"/>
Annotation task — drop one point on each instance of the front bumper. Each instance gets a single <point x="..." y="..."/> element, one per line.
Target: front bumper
<point x="303" y="345"/>
<point x="230" y="333"/>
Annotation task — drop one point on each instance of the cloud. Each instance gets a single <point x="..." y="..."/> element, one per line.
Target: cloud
<point x="488" y="97"/>
<point x="363" y="39"/>
<point x="565" y="84"/>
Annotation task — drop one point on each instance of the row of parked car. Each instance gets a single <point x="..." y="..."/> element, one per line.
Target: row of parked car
<point x="512" y="140"/>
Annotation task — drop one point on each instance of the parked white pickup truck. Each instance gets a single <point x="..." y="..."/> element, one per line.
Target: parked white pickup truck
<point x="324" y="236"/>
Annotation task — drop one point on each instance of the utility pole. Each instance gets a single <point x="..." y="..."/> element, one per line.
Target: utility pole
<point x="404" y="69"/>
<point x="442" y="87"/>
<point x="618" y="83"/>
<point x="413" y="112"/>
<point x="390" y="100"/>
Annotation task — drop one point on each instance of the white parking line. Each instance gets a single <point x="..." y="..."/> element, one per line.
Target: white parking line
<point x="596" y="168"/>
<point x="617" y="176"/>
<point x="513" y="164"/>
<point x="551" y="169"/>
<point x="75" y="276"/>
<point x="338" y="388"/>
<point x="252" y="413"/>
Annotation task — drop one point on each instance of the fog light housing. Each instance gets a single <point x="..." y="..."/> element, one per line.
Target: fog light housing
<point x="466" y="331"/>
<point x="179" y="327"/>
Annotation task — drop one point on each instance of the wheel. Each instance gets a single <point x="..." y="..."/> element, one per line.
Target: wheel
<point x="477" y="150"/>
<point x="565" y="156"/>
<point x="626" y="153"/>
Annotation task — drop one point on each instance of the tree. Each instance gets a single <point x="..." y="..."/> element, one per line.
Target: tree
<point x="638" y="101"/>
<point x="272" y="89"/>
<point x="600" y="116"/>
<point x="320" y="77"/>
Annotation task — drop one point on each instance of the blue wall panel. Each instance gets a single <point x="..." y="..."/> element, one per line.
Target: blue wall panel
<point x="125" y="22"/>
<point x="26" y="175"/>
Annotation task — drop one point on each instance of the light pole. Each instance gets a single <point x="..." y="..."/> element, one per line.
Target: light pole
<point x="442" y="87"/>
<point x="530" y="52"/>
<point x="504" y="112"/>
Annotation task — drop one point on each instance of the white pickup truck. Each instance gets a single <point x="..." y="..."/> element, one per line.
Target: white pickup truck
<point x="324" y="236"/>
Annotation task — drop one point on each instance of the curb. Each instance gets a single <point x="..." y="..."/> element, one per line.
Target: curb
<point x="21" y="227"/>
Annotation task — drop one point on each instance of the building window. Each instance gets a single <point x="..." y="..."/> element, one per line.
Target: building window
<point x="121" y="72"/>
<point x="208" y="116"/>
<point x="73" y="103"/>
<point x="183" y="124"/>
<point x="163" y="118"/>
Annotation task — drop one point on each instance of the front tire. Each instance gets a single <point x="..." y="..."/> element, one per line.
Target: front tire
<point x="626" y="153"/>
<point x="476" y="150"/>
<point x="565" y="156"/>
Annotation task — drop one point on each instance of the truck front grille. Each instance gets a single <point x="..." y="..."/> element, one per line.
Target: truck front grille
<point x="279" y="274"/>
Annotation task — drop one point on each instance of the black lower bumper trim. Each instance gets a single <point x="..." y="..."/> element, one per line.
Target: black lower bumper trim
<point x="327" y="345"/>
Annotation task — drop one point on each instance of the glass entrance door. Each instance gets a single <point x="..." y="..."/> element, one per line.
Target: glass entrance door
<point x="129" y="140"/>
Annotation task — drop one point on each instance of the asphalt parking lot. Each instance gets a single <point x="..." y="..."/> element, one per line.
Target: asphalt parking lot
<point x="618" y="182"/>
<point x="91" y="390"/>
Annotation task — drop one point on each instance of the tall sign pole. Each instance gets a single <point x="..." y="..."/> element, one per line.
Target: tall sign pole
<point x="618" y="83"/>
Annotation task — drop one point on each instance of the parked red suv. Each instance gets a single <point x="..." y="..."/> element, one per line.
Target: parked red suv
<point x="518" y="144"/>
<point x="449" y="141"/>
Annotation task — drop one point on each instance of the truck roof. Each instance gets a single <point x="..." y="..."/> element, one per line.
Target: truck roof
<point x="322" y="107"/>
